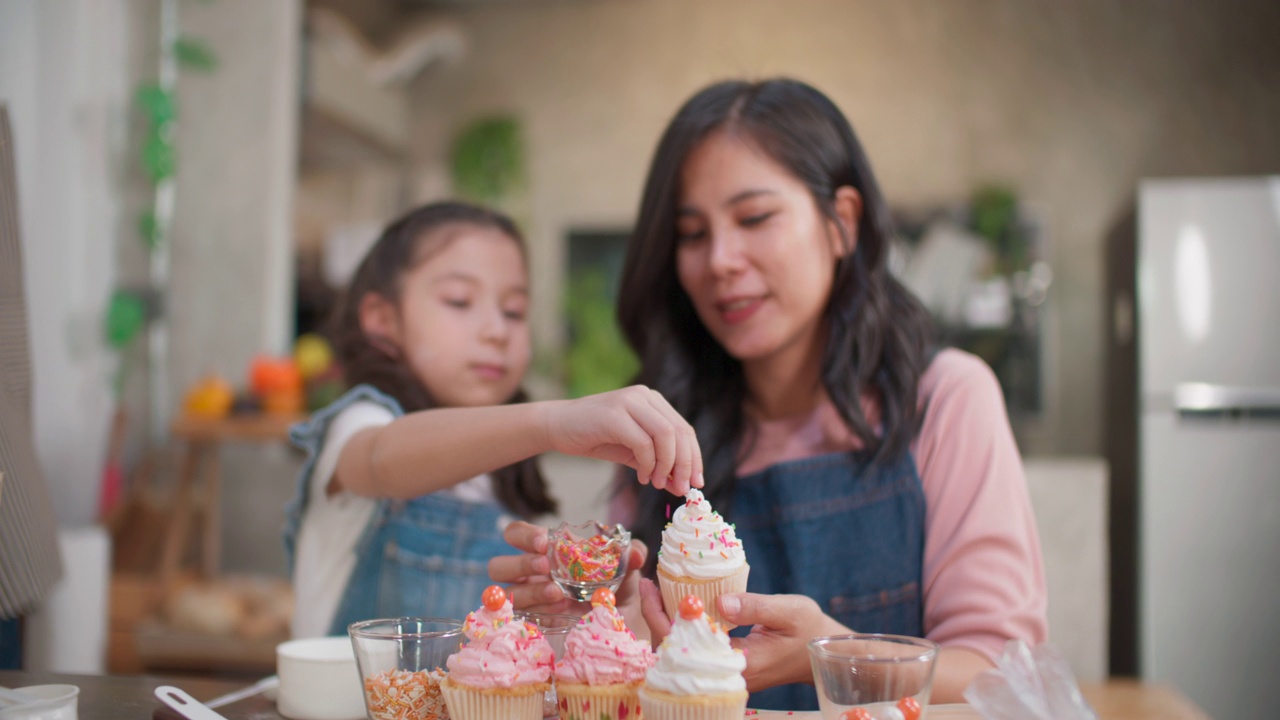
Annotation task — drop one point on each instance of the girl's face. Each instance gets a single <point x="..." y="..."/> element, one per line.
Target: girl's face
<point x="460" y="322"/>
<point x="754" y="253"/>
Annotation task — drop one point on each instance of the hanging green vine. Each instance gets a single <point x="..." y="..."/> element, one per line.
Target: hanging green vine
<point x="488" y="160"/>
<point x="129" y="310"/>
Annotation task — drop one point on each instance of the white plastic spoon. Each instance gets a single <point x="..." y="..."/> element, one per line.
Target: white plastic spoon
<point x="187" y="706"/>
<point x="15" y="697"/>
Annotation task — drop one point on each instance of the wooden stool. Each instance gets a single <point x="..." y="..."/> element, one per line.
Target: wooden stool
<point x="204" y="438"/>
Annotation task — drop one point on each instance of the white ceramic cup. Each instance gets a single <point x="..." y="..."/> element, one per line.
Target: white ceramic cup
<point x="319" y="680"/>
<point x="52" y="702"/>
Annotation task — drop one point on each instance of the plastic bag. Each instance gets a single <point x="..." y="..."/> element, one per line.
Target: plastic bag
<point x="1029" y="684"/>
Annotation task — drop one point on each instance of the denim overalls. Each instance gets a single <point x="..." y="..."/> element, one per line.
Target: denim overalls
<point x="422" y="557"/>
<point x="842" y="531"/>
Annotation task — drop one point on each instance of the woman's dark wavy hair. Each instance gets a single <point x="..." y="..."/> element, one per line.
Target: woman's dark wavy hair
<point x="404" y="244"/>
<point x="879" y="333"/>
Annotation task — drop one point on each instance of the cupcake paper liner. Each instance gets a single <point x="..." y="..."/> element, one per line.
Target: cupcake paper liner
<point x="658" y="705"/>
<point x="674" y="589"/>
<point x="517" y="703"/>
<point x="598" y="702"/>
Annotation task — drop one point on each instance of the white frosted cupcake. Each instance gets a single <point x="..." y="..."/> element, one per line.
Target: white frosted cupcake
<point x="698" y="675"/>
<point x="700" y="556"/>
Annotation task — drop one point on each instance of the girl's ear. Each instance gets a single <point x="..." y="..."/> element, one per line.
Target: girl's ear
<point x="848" y="208"/>
<point x="380" y="322"/>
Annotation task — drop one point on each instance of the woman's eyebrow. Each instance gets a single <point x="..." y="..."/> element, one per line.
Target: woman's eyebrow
<point x="747" y="195"/>
<point x="687" y="210"/>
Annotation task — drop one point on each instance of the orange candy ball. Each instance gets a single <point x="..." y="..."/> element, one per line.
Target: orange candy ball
<point x="494" y="598"/>
<point x="857" y="714"/>
<point x="910" y="708"/>
<point x="603" y="596"/>
<point x="691" y="607"/>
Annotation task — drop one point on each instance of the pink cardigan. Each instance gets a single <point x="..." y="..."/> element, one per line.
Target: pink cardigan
<point x="983" y="573"/>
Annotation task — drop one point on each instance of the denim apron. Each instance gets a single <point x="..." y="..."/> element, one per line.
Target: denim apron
<point x="845" y="532"/>
<point x="426" y="557"/>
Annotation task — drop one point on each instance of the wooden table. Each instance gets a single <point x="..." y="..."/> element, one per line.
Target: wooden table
<point x="121" y="697"/>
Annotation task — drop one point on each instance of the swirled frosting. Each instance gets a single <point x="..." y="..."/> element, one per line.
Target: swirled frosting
<point x="698" y="543"/>
<point x="600" y="650"/>
<point x="500" y="651"/>
<point x="696" y="659"/>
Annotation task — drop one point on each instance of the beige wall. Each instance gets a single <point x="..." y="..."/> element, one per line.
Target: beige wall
<point x="1071" y="103"/>
<point x="232" y="282"/>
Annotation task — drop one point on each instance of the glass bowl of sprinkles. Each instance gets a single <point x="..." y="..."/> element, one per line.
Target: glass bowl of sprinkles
<point x="587" y="557"/>
<point x="401" y="663"/>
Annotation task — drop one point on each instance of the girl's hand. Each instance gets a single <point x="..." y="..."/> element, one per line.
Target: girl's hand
<point x="782" y="625"/>
<point x="634" y="426"/>
<point x="528" y="577"/>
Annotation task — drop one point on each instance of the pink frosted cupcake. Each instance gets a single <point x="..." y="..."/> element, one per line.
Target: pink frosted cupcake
<point x="504" y="669"/>
<point x="603" y="666"/>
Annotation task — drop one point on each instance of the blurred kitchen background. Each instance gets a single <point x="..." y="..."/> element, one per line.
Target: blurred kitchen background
<point x="202" y="176"/>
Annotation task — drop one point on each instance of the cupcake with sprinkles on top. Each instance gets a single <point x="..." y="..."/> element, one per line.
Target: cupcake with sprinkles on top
<point x="603" y="666"/>
<point x="503" y="670"/>
<point x="700" y="556"/>
<point x="698" y="675"/>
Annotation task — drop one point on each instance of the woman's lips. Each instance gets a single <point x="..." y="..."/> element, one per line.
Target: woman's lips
<point x="737" y="310"/>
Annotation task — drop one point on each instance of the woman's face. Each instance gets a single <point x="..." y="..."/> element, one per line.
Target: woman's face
<point x="754" y="253"/>
<point x="460" y="322"/>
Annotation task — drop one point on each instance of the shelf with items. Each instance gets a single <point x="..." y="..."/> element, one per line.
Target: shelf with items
<point x="981" y="269"/>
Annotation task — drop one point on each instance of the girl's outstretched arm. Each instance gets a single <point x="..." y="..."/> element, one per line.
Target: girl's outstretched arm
<point x="435" y="449"/>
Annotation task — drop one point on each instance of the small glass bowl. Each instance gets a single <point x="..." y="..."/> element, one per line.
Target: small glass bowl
<point x="871" y="676"/>
<point x="404" y="657"/>
<point x="587" y="557"/>
<point x="555" y="628"/>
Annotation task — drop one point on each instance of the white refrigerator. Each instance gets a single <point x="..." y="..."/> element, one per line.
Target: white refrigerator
<point x="1208" y="490"/>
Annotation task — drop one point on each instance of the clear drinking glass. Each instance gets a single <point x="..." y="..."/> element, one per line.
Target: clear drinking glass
<point x="401" y="663"/>
<point x="872" y="676"/>
<point x="588" y="556"/>
<point x="555" y="628"/>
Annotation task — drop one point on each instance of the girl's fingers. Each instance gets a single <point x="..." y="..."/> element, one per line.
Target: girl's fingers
<point x="526" y="537"/>
<point x="537" y="594"/>
<point x="688" y="464"/>
<point x="514" y="568"/>
<point x="639" y="441"/>
<point x="661" y="433"/>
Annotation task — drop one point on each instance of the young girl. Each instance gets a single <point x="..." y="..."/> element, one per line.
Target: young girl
<point x="413" y="474"/>
<point x="874" y="481"/>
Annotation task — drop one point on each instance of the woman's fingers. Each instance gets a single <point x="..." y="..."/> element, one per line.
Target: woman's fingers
<point x="652" y="611"/>
<point x="776" y="612"/>
<point x="638" y="555"/>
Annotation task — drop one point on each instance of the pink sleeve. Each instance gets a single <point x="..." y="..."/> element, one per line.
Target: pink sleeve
<point x="622" y="503"/>
<point x="983" y="572"/>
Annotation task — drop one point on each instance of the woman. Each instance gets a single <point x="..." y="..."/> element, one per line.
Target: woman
<point x="874" y="481"/>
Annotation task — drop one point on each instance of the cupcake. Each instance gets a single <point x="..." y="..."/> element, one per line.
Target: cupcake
<point x="700" y="556"/>
<point x="503" y="670"/>
<point x="698" y="675"/>
<point x="603" y="666"/>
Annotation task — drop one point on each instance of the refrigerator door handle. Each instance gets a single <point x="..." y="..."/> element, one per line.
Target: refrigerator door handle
<point x="1205" y="398"/>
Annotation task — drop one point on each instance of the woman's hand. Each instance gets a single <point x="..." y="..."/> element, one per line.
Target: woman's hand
<point x="528" y="577"/>
<point x="781" y="627"/>
<point x="634" y="426"/>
